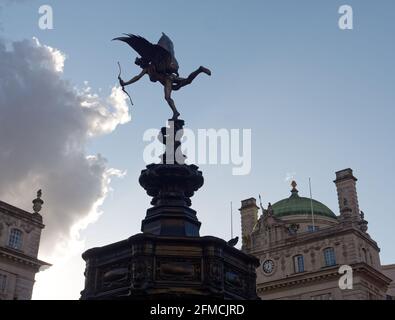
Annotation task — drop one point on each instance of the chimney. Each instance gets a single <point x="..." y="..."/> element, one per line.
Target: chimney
<point x="249" y="217"/>
<point x="347" y="193"/>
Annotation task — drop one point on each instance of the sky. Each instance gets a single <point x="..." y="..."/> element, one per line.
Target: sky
<point x="317" y="99"/>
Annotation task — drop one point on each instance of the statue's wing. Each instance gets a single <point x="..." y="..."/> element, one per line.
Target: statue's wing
<point x="148" y="51"/>
<point x="166" y="43"/>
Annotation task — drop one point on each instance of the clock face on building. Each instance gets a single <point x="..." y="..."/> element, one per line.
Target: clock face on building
<point x="268" y="266"/>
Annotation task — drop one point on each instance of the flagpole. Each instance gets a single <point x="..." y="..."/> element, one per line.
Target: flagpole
<point x="231" y="219"/>
<point x="311" y="204"/>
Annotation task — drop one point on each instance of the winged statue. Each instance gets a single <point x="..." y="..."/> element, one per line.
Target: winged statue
<point x="158" y="61"/>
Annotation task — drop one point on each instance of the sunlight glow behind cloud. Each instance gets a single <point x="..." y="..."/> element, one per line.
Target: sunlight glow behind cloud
<point x="45" y="125"/>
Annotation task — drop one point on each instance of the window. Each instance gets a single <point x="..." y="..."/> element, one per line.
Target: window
<point x="15" y="241"/>
<point x="313" y="229"/>
<point x="3" y="283"/>
<point x="299" y="264"/>
<point x="330" y="258"/>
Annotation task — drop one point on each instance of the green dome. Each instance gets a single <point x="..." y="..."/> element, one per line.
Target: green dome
<point x="295" y="205"/>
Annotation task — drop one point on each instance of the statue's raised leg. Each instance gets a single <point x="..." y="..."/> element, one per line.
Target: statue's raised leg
<point x="182" y="82"/>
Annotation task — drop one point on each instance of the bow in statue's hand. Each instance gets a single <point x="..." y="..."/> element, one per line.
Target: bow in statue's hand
<point x="122" y="84"/>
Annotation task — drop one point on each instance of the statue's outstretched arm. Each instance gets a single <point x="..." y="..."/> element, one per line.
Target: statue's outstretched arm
<point x="136" y="78"/>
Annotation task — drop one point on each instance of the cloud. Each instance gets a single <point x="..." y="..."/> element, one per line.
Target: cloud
<point x="45" y="124"/>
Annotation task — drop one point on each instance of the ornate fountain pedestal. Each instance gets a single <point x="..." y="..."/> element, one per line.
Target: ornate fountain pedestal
<point x="169" y="259"/>
<point x="157" y="267"/>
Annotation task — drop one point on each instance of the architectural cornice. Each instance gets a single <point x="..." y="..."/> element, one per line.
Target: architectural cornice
<point x="22" y="258"/>
<point x="371" y="272"/>
<point x="301" y="278"/>
<point x="388" y="266"/>
<point x="323" y="274"/>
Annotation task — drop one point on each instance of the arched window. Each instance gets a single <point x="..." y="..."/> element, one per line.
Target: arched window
<point x="15" y="240"/>
<point x="299" y="264"/>
<point x="329" y="256"/>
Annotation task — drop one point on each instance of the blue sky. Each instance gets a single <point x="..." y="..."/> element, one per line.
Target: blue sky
<point x="317" y="99"/>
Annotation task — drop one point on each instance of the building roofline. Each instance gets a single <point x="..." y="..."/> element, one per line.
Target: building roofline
<point x="248" y="203"/>
<point x="22" y="214"/>
<point x="388" y="266"/>
<point x="345" y="174"/>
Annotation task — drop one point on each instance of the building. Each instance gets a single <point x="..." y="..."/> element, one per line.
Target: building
<point x="389" y="271"/>
<point x="20" y="233"/>
<point x="302" y="246"/>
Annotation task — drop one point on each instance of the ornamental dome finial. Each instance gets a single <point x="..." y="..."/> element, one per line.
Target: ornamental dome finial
<point x="294" y="185"/>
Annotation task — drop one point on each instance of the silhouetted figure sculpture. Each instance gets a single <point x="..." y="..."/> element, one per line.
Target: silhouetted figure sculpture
<point x="159" y="62"/>
<point x="169" y="259"/>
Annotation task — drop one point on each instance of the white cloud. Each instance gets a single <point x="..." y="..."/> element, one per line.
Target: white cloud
<point x="45" y="124"/>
